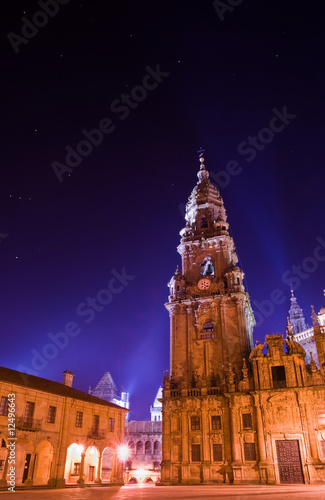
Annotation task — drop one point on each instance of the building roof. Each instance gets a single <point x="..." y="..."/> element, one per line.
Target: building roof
<point x="44" y="385"/>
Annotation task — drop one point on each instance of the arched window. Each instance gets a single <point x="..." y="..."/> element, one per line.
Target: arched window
<point x="208" y="327"/>
<point x="147" y="448"/>
<point x="206" y="267"/>
<point x="156" y="447"/>
<point x="139" y="448"/>
<point x="131" y="446"/>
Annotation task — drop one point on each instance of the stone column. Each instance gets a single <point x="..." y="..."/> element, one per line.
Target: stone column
<point x="260" y="430"/>
<point x="234" y="429"/>
<point x="185" y="445"/>
<point x="206" y="452"/>
<point x="3" y="480"/>
<point x="99" y="470"/>
<point x="262" y="464"/>
<point x="29" y="480"/>
<point x="309" y="432"/>
<point x="81" y="480"/>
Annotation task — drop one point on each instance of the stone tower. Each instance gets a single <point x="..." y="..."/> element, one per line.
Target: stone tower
<point x="230" y="413"/>
<point x="296" y="315"/>
<point x="211" y="319"/>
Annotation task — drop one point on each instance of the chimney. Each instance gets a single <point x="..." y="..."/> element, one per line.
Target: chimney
<point x="67" y="378"/>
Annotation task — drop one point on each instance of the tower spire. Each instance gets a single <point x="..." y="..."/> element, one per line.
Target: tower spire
<point x="296" y="314"/>
<point x="202" y="174"/>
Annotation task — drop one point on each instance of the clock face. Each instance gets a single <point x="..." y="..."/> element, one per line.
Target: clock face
<point x="204" y="284"/>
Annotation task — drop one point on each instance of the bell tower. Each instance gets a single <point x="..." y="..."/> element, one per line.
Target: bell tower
<point x="211" y="319"/>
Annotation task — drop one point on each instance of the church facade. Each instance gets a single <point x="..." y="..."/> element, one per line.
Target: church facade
<point x="232" y="414"/>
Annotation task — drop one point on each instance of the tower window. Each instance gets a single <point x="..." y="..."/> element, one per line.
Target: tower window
<point x="206" y="267"/>
<point x="238" y="282"/>
<point x="208" y="327"/>
<point x="279" y="377"/>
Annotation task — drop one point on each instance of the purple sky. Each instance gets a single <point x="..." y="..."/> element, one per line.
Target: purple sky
<point x="157" y="81"/>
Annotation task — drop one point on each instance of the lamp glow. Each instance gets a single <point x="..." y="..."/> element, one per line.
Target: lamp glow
<point x="123" y="452"/>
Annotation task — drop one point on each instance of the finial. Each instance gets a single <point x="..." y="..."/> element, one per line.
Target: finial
<point x="291" y="289"/>
<point x="202" y="174"/>
<point x="289" y="330"/>
<point x="314" y="316"/>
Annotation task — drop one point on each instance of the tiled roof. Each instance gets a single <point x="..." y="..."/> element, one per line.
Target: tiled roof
<point x="44" y="385"/>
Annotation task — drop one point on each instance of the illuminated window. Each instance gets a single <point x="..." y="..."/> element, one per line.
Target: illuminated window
<point x="147" y="448"/>
<point x="4" y="406"/>
<point x="279" y="377"/>
<point x="111" y="424"/>
<point x="249" y="452"/>
<point x="156" y="447"/>
<point x="321" y="417"/>
<point x="206" y="267"/>
<point x="196" y="453"/>
<point x="156" y="464"/>
<point x="215" y="422"/>
<point x="79" y="418"/>
<point x="128" y="464"/>
<point x="51" y="415"/>
<point x="195" y="423"/>
<point x="217" y="452"/>
<point x="247" y="420"/>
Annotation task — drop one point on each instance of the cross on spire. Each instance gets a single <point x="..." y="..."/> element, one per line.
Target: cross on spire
<point x="201" y="151"/>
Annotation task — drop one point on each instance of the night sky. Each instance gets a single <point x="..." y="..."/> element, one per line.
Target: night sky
<point x="243" y="79"/>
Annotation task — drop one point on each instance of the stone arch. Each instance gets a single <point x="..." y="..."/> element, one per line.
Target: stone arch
<point x="43" y="462"/>
<point x="148" y="448"/>
<point x="73" y="463"/>
<point x="107" y="464"/>
<point x="156" y="447"/>
<point x="91" y="464"/>
<point x="24" y="460"/>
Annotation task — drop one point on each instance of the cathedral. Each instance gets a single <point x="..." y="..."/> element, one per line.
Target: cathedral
<point x="233" y="412"/>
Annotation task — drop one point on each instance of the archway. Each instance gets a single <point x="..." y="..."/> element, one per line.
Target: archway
<point x="107" y="465"/>
<point x="91" y="464"/>
<point x="24" y="460"/>
<point x="43" y="462"/>
<point x="73" y="463"/>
